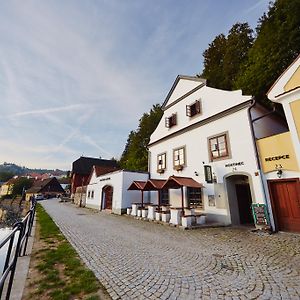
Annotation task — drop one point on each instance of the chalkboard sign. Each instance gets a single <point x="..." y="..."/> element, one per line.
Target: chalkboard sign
<point x="260" y="214"/>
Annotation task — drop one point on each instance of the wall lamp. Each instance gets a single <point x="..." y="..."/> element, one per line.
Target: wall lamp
<point x="279" y="173"/>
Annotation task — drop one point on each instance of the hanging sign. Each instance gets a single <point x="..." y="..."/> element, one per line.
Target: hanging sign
<point x="208" y="174"/>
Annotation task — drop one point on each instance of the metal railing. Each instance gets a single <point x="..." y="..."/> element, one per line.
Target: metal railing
<point x="17" y="242"/>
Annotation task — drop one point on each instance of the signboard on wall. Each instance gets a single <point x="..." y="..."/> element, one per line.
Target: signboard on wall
<point x="208" y="174"/>
<point x="260" y="214"/>
<point x="277" y="152"/>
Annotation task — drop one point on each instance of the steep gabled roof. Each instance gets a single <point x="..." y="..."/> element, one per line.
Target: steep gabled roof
<point x="39" y="185"/>
<point x="84" y="165"/>
<point x="201" y="81"/>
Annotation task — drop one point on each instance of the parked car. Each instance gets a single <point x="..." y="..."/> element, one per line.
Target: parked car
<point x="39" y="197"/>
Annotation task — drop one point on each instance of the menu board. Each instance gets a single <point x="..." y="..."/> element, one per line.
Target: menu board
<point x="260" y="214"/>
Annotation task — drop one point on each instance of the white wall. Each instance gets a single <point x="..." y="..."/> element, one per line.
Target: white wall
<point x="213" y="101"/>
<point x="120" y="181"/>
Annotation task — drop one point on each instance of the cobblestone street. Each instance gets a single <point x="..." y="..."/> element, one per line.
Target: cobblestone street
<point x="136" y="259"/>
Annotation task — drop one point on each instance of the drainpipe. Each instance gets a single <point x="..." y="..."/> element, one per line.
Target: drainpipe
<point x="257" y="157"/>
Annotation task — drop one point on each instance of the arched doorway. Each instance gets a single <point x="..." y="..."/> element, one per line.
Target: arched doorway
<point x="239" y="199"/>
<point x="107" y="194"/>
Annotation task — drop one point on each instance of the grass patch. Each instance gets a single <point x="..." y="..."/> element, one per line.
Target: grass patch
<point x="58" y="272"/>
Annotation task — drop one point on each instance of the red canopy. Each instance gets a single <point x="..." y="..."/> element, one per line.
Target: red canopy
<point x="176" y="182"/>
<point x="154" y="184"/>
<point x="137" y="186"/>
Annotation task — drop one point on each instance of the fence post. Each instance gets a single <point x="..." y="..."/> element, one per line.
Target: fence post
<point x="20" y="225"/>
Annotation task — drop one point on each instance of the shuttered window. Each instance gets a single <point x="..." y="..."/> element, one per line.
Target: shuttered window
<point x="171" y="121"/>
<point x="193" y="109"/>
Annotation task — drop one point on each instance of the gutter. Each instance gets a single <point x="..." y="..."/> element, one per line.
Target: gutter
<point x="257" y="157"/>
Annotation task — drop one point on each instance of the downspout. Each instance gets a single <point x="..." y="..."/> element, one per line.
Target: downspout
<point x="257" y="155"/>
<point x="149" y="164"/>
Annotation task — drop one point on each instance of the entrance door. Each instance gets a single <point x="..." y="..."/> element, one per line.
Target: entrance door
<point x="108" y="194"/>
<point x="285" y="196"/>
<point x="243" y="195"/>
<point x="239" y="199"/>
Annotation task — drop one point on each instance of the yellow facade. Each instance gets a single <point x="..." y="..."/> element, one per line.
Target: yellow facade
<point x="277" y="152"/>
<point x="295" y="109"/>
<point x="6" y="189"/>
<point x="293" y="82"/>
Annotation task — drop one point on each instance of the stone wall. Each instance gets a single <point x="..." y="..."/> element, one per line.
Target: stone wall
<point x="79" y="196"/>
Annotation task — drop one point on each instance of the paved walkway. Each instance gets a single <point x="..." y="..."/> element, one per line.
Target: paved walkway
<point x="142" y="260"/>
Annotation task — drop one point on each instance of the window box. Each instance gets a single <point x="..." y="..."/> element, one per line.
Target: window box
<point x="160" y="171"/>
<point x="178" y="168"/>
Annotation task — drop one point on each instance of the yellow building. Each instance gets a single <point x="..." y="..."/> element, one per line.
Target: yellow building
<point x="280" y="154"/>
<point x="7" y="187"/>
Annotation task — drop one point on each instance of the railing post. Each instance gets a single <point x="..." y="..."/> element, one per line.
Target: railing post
<point x="20" y="226"/>
<point x="24" y="228"/>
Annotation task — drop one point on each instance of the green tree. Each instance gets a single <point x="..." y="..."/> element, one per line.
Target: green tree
<point x="276" y="46"/>
<point x="225" y="56"/>
<point x="5" y="176"/>
<point x="135" y="154"/>
<point x="214" y="61"/>
<point x="21" y="185"/>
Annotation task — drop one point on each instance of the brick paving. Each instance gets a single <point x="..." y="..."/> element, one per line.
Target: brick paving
<point x="136" y="259"/>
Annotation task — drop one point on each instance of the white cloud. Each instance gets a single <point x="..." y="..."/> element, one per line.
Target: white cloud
<point x="76" y="76"/>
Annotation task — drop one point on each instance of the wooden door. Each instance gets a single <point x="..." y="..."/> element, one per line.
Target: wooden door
<point x="243" y="195"/>
<point x="108" y="191"/>
<point x="285" y="197"/>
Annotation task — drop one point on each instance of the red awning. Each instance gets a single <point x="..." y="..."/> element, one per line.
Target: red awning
<point x="137" y="186"/>
<point x="154" y="184"/>
<point x="176" y="182"/>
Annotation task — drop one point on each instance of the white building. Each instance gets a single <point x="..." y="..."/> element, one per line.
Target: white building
<point x="206" y="134"/>
<point x="110" y="192"/>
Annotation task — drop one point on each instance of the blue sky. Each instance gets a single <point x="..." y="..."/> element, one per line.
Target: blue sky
<point x="76" y="76"/>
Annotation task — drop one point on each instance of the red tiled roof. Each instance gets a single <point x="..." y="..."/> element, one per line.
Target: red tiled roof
<point x="175" y="182"/>
<point x="137" y="185"/>
<point x="101" y="170"/>
<point x="154" y="184"/>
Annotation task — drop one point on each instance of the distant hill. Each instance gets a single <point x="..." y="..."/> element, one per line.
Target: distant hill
<point x="18" y="170"/>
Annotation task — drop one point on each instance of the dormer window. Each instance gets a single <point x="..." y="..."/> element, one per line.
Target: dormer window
<point x="171" y="121"/>
<point x="193" y="109"/>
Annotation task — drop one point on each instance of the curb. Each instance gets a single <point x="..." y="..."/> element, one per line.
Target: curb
<point x="22" y="268"/>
